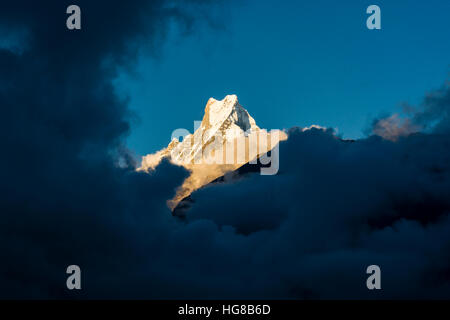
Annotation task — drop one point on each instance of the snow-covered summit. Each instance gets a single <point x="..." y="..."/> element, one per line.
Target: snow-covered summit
<point x="226" y="114"/>
<point x="223" y="121"/>
<point x="226" y="139"/>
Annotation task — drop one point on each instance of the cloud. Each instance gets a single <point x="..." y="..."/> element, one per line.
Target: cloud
<point x="435" y="110"/>
<point x="393" y="127"/>
<point x="433" y="115"/>
<point x="337" y="207"/>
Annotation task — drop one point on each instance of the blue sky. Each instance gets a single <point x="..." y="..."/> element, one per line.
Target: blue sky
<point x="292" y="63"/>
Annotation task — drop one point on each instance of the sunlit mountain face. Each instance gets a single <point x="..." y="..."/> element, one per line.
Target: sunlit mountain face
<point x="226" y="139"/>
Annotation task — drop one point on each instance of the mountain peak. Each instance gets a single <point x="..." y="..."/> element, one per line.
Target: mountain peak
<point x="210" y="151"/>
<point x="227" y="114"/>
<point x="229" y="100"/>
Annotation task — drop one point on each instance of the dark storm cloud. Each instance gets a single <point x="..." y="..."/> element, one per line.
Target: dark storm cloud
<point x="62" y="199"/>
<point x="334" y="208"/>
<point x="337" y="207"/>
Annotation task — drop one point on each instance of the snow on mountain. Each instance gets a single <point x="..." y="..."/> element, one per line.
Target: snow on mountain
<point x="226" y="139"/>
